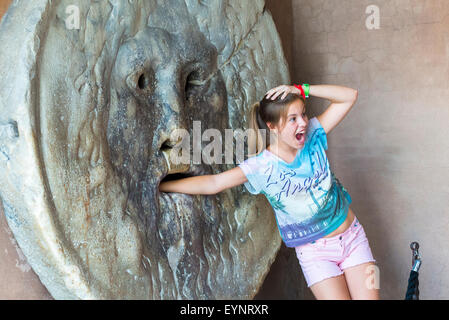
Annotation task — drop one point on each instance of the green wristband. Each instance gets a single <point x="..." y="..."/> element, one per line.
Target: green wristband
<point x="306" y="89"/>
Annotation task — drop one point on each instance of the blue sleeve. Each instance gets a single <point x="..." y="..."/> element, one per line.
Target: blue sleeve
<point x="316" y="134"/>
<point x="249" y="168"/>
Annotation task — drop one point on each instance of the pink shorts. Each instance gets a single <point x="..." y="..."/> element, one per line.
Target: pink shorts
<point x="328" y="257"/>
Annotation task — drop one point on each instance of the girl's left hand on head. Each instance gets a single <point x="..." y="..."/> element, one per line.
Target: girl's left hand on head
<point x="276" y="91"/>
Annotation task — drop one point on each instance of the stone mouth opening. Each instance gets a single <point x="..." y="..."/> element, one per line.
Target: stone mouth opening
<point x="176" y="176"/>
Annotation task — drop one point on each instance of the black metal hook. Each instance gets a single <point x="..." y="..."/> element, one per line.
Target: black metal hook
<point x="416" y="258"/>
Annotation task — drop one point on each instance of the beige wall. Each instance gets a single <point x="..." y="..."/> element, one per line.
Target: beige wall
<point x="392" y="150"/>
<point x="4" y="4"/>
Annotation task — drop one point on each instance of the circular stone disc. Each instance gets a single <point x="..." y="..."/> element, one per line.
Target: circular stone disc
<point x="90" y="93"/>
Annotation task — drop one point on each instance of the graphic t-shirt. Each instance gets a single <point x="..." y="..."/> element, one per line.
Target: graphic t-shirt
<point x="308" y="200"/>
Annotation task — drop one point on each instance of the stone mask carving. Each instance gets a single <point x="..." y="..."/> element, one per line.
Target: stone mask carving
<point x="86" y="114"/>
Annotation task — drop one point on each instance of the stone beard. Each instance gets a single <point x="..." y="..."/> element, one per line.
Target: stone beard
<point x="86" y="114"/>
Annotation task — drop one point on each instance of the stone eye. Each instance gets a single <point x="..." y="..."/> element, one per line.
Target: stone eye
<point x="194" y="79"/>
<point x="143" y="81"/>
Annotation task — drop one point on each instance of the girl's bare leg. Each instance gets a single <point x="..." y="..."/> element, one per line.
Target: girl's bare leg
<point x="334" y="288"/>
<point x="362" y="281"/>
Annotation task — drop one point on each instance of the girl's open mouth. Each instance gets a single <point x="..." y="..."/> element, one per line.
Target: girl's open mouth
<point x="300" y="137"/>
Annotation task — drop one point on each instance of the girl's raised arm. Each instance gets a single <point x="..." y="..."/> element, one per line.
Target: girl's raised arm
<point x="205" y="184"/>
<point x="342" y="99"/>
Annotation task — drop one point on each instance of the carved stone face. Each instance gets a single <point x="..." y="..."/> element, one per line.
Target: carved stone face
<point x="162" y="82"/>
<point x="104" y="101"/>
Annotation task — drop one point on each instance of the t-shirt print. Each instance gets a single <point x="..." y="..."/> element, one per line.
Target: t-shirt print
<point x="308" y="200"/>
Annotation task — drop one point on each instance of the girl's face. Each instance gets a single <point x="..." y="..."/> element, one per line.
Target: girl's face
<point x="293" y="132"/>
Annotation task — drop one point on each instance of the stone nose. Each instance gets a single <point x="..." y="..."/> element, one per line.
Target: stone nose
<point x="172" y="129"/>
<point x="172" y="165"/>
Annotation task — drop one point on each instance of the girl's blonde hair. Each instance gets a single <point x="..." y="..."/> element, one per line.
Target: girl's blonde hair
<point x="265" y="111"/>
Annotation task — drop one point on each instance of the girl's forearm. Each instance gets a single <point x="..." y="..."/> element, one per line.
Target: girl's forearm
<point x="192" y="185"/>
<point x="333" y="93"/>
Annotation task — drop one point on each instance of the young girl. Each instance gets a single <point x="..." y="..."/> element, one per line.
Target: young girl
<point x="311" y="206"/>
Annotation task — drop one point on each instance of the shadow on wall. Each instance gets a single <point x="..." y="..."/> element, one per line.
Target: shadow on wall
<point x="282" y="13"/>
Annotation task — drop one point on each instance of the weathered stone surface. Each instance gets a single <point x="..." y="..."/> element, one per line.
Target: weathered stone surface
<point x="84" y="116"/>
